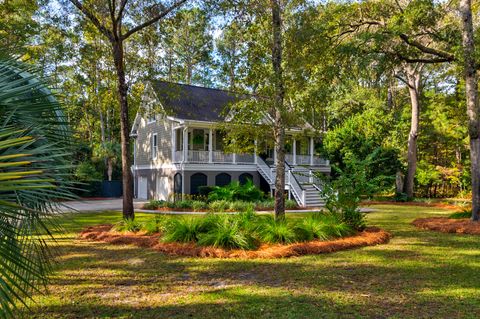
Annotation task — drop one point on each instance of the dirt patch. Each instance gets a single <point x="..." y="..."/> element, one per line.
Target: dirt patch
<point x="448" y="225"/>
<point x="369" y="237"/>
<point x="438" y="205"/>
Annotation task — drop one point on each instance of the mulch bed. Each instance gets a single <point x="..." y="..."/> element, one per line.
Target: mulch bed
<point x="421" y="204"/>
<point x="448" y="225"/>
<point x="369" y="237"/>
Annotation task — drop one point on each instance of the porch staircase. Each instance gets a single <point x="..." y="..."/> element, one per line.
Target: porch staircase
<point x="306" y="192"/>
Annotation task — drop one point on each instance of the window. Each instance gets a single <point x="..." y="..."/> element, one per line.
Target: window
<point x="154" y="144"/>
<point x="222" y="179"/>
<point x="243" y="178"/>
<point x="197" y="180"/>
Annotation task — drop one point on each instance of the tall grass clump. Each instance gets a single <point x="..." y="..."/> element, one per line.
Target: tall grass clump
<point x="276" y="231"/>
<point x="219" y="206"/>
<point x="128" y="225"/>
<point x="322" y="227"/>
<point x="184" y="229"/>
<point x="228" y="232"/>
<point x="155" y="225"/>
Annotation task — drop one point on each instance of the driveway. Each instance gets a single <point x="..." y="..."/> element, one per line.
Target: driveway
<point x="88" y="205"/>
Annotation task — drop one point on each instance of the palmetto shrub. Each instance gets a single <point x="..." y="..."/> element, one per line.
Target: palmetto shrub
<point x="235" y="191"/>
<point x="35" y="161"/>
<point x="154" y="204"/>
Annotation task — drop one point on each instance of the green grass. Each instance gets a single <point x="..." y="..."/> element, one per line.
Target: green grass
<point x="419" y="274"/>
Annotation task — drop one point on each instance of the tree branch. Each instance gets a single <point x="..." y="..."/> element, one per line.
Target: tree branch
<point x="153" y="20"/>
<point x="93" y="19"/>
<point x="120" y="11"/>
<point x="448" y="57"/>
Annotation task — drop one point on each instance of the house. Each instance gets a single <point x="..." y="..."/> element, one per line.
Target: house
<point x="178" y="148"/>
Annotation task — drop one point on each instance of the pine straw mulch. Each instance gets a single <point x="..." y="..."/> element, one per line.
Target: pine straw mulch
<point x="369" y="237"/>
<point x="448" y="225"/>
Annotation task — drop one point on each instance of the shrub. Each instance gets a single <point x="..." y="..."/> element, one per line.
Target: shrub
<point x="183" y="204"/>
<point x="273" y="231"/>
<point x="128" y="225"/>
<point x="183" y="229"/>
<point x="219" y="206"/>
<point x="322" y="226"/>
<point x="154" y="225"/>
<point x="204" y="191"/>
<point x="266" y="204"/>
<point x="467" y="213"/>
<point x="198" y="205"/>
<point x="290" y="204"/>
<point x="227" y="232"/>
<point x="235" y="191"/>
<point x="241" y="206"/>
<point x="154" y="204"/>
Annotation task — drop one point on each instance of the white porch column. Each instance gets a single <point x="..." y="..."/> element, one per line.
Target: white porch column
<point x="255" y="152"/>
<point x="311" y="150"/>
<point x="274" y="155"/>
<point x="174" y="143"/>
<point x="234" y="158"/>
<point x="210" y="146"/>
<point x="185" y="144"/>
<point x="294" y="152"/>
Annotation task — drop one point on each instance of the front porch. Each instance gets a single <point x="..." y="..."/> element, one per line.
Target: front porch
<point x="205" y="145"/>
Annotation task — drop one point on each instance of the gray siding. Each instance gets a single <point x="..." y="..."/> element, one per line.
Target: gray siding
<point x="143" y="150"/>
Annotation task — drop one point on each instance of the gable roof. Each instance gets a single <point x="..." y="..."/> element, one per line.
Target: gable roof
<point x="189" y="102"/>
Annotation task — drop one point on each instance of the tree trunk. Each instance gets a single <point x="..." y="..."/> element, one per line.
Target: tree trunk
<point x="413" y="82"/>
<point x="127" y="179"/>
<point x="279" y="128"/>
<point x="109" y="169"/>
<point x="471" y="91"/>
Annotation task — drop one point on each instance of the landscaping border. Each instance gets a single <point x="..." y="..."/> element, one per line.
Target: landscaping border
<point x="448" y="225"/>
<point x="369" y="237"/>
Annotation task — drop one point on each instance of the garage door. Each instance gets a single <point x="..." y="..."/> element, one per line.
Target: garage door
<point x="162" y="187"/>
<point x="142" y="187"/>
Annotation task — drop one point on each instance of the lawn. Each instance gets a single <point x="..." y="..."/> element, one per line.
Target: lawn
<point x="418" y="274"/>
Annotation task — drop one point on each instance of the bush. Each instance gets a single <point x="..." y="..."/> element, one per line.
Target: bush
<point x="227" y="232"/>
<point x="184" y="229"/>
<point x="322" y="227"/>
<point x="154" y="225"/>
<point x="154" y="204"/>
<point x="204" y="191"/>
<point x="273" y="231"/>
<point x="235" y="191"/>
<point x="266" y="204"/>
<point x="290" y="204"/>
<point x="241" y="206"/>
<point x="128" y="225"/>
<point x="467" y="213"/>
<point x="198" y="205"/>
<point x="183" y="204"/>
<point x="219" y="206"/>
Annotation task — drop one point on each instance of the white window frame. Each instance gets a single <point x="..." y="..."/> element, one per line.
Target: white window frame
<point x="154" y="145"/>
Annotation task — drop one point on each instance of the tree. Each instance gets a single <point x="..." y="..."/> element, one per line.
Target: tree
<point x="111" y="23"/>
<point x="471" y="93"/>
<point x="188" y="45"/>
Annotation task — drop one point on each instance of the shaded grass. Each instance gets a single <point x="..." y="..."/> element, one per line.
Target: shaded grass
<point x="419" y="274"/>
